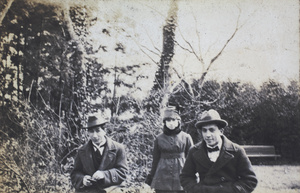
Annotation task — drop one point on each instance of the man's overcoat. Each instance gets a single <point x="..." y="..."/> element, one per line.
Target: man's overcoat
<point x="113" y="165"/>
<point x="231" y="173"/>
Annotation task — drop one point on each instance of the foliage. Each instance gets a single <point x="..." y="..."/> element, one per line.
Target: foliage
<point x="50" y="80"/>
<point x="138" y="137"/>
<point x="32" y="160"/>
<point x="266" y="116"/>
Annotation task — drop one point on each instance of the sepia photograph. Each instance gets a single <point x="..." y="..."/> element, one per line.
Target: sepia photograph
<point x="149" y="96"/>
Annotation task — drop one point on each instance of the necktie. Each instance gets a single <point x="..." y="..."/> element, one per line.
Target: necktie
<point x="98" y="149"/>
<point x="97" y="152"/>
<point x="213" y="149"/>
<point x="97" y="158"/>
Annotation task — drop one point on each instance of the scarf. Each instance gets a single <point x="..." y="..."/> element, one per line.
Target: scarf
<point x="168" y="131"/>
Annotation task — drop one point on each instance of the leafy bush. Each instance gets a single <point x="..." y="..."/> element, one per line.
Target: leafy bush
<point x="32" y="160"/>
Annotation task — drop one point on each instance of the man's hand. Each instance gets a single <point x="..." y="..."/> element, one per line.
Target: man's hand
<point x="98" y="175"/>
<point x="87" y="180"/>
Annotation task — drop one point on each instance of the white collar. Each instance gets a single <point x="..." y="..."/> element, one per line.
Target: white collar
<point x="101" y="146"/>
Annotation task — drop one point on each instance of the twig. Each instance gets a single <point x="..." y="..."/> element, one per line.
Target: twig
<point x="220" y="52"/>
<point x="150" y="50"/>
<point x="28" y="100"/>
<point x="192" y="48"/>
<point x="75" y="149"/>
<point x="147" y="54"/>
<point x="15" y="172"/>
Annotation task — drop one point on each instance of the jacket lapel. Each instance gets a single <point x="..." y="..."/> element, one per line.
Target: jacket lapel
<point x="201" y="156"/>
<point x="224" y="157"/>
<point x="88" y="159"/>
<point x="109" y="154"/>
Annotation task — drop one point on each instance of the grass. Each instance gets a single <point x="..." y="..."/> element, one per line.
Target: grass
<point x="271" y="179"/>
<point x="277" y="179"/>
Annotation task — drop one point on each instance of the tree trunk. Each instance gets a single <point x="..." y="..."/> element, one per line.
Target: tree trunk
<point x="5" y="10"/>
<point x="168" y="52"/>
<point x="68" y="22"/>
<point x="81" y="50"/>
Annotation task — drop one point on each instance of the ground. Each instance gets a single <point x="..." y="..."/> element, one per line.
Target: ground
<point x="277" y="179"/>
<point x="271" y="179"/>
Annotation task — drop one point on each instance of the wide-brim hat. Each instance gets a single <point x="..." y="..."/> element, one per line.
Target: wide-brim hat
<point x="211" y="116"/>
<point x="95" y="120"/>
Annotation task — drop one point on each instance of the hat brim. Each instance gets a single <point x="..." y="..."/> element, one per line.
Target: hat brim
<point x="94" y="126"/>
<point x="221" y="123"/>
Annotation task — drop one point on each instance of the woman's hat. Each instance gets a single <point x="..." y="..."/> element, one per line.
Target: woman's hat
<point x="171" y="112"/>
<point x="211" y="116"/>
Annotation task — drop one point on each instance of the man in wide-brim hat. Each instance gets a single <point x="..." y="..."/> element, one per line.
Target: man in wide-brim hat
<point x="222" y="165"/>
<point x="101" y="162"/>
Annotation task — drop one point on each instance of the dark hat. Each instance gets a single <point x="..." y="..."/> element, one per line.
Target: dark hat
<point x="211" y="116"/>
<point x="171" y="112"/>
<point x="95" y="120"/>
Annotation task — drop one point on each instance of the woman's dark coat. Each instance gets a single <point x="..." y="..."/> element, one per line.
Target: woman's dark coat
<point x="113" y="165"/>
<point x="231" y="173"/>
<point x="169" y="154"/>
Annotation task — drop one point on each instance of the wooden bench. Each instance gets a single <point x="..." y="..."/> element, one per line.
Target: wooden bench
<point x="260" y="151"/>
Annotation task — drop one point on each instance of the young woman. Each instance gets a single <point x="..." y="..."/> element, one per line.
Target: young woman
<point x="169" y="153"/>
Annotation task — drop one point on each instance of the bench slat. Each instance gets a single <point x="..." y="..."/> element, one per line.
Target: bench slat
<point x="260" y="151"/>
<point x="259" y="155"/>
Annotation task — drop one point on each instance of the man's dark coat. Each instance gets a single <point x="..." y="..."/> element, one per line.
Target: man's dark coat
<point x="231" y="173"/>
<point x="113" y="165"/>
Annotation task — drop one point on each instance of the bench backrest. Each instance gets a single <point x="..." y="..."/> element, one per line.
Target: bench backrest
<point x="260" y="150"/>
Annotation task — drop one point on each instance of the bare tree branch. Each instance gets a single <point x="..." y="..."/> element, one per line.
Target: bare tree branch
<point x="140" y="47"/>
<point x="69" y="153"/>
<point x="155" y="10"/>
<point x="186" y="49"/>
<point x="198" y="35"/>
<point x="158" y="54"/>
<point x="220" y="52"/>
<point x="199" y="57"/>
<point x="149" y="57"/>
<point x="159" y="51"/>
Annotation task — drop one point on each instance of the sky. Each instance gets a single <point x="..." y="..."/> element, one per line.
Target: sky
<point x="265" y="46"/>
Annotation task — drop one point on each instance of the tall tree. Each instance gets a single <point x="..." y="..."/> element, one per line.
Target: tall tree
<point x="163" y="74"/>
<point x="168" y="45"/>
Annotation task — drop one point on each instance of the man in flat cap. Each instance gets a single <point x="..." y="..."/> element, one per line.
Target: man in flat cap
<point x="101" y="162"/>
<point x="223" y="166"/>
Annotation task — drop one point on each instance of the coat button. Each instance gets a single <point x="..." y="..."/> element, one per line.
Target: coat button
<point x="114" y="179"/>
<point x="223" y="179"/>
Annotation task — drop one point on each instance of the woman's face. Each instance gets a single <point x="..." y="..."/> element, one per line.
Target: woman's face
<point x="171" y="123"/>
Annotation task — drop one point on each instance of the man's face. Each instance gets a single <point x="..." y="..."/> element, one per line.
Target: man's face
<point x="97" y="135"/>
<point x="211" y="134"/>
